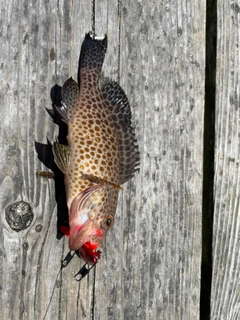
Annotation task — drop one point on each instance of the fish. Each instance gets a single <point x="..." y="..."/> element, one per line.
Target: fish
<point x="102" y="151"/>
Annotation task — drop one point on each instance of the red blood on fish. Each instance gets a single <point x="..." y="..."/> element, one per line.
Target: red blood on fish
<point x="65" y="230"/>
<point x="87" y="252"/>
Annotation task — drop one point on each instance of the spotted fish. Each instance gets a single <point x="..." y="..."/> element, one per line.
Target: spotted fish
<point x="101" y="155"/>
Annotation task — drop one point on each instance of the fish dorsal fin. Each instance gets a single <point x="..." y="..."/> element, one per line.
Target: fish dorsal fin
<point x="62" y="156"/>
<point x="69" y="93"/>
<point x="117" y="102"/>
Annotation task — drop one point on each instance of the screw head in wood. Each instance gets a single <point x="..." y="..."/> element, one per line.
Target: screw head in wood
<point x="19" y="215"/>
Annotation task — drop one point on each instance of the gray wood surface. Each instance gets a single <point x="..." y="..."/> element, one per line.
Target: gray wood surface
<point x="226" y="234"/>
<point x="150" y="268"/>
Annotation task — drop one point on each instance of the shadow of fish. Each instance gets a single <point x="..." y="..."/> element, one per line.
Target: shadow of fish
<point x="101" y="155"/>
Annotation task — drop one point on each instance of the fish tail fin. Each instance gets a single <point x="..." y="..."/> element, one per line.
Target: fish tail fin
<point x="92" y="55"/>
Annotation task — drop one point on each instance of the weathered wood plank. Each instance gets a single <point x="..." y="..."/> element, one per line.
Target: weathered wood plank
<point x="164" y="52"/>
<point x="225" y="299"/>
<point x="36" y="42"/>
<point x="150" y="268"/>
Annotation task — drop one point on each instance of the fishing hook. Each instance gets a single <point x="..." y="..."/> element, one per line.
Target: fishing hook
<point x="83" y="271"/>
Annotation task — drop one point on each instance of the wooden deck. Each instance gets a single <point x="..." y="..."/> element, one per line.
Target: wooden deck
<point x="155" y="264"/>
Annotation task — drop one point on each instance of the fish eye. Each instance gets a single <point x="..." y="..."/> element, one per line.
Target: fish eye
<point x="110" y="220"/>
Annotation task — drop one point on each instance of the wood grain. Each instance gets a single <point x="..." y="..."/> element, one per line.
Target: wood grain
<point x="226" y="235"/>
<point x="150" y="268"/>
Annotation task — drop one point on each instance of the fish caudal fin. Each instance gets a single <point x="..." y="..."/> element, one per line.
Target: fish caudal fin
<point x="92" y="55"/>
<point x="62" y="156"/>
<point x="117" y="102"/>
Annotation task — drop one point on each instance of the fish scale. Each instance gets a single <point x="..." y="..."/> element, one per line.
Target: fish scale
<point x="101" y="154"/>
<point x="93" y="145"/>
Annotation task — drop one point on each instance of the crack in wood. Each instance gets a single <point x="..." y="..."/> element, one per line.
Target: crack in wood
<point x="119" y="37"/>
<point x="93" y="18"/>
<point x="93" y="295"/>
<point x="208" y="160"/>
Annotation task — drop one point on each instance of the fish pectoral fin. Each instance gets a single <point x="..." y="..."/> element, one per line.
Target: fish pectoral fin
<point x="69" y="94"/>
<point x="100" y="181"/>
<point x="62" y="156"/>
<point x="46" y="174"/>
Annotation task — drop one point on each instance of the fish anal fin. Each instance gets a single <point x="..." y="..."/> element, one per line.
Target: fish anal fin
<point x="100" y="181"/>
<point x="117" y="103"/>
<point x="62" y="156"/>
<point x="69" y="95"/>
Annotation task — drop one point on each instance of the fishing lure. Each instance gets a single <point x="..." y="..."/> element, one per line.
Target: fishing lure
<point x="101" y="154"/>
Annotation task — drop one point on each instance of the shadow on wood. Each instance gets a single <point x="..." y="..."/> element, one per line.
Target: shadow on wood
<point x="45" y="155"/>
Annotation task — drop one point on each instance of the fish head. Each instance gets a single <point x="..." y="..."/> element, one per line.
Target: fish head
<point x="90" y="219"/>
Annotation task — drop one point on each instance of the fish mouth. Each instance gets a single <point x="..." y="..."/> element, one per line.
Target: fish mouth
<point x="86" y="233"/>
<point x="83" y="228"/>
<point x="90" y="253"/>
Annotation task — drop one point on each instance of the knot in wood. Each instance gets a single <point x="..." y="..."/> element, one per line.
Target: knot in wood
<point x="19" y="215"/>
<point x="38" y="228"/>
